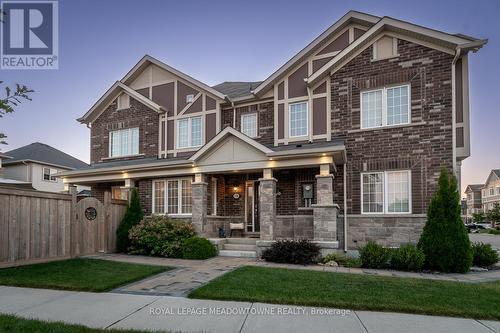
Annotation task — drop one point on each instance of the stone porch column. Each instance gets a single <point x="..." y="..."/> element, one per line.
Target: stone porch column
<point x="199" y="203"/>
<point x="325" y="211"/>
<point x="267" y="205"/>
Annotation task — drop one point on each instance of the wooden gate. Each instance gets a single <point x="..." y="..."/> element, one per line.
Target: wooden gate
<point x="90" y="227"/>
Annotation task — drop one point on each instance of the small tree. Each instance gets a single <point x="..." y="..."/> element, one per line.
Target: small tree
<point x="478" y="217"/>
<point x="133" y="216"/>
<point x="444" y="240"/>
<point x="11" y="100"/>
<point x="494" y="215"/>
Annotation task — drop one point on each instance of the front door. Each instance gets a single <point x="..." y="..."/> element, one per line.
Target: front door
<point x="252" y="206"/>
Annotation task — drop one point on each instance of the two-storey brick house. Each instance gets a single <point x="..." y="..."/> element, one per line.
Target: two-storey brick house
<point x="342" y="144"/>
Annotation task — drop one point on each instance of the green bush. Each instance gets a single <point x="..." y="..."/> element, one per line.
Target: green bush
<point x="132" y="217"/>
<point x="342" y="260"/>
<point x="484" y="255"/>
<point x="444" y="240"/>
<point x="300" y="252"/>
<point x="407" y="258"/>
<point x="494" y="231"/>
<point x="373" y="255"/>
<point x="198" y="248"/>
<point x="160" y="236"/>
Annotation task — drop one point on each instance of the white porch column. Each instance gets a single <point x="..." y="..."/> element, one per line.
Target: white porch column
<point x="325" y="211"/>
<point x="199" y="203"/>
<point x="267" y="204"/>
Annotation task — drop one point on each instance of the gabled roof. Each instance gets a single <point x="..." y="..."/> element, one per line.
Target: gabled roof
<point x="236" y="89"/>
<point x="494" y="174"/>
<point x="351" y="17"/>
<point x="474" y="187"/>
<point x="148" y="60"/>
<point x="497" y="172"/>
<point x="448" y="41"/>
<point x="41" y="153"/>
<point x="228" y="131"/>
<point x="110" y="96"/>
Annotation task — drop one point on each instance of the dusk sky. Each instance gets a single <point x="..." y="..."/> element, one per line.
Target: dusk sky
<point x="215" y="41"/>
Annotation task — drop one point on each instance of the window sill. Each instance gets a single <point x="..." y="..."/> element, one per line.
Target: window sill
<point x="387" y="127"/>
<point x="304" y="208"/>
<point x="119" y="157"/>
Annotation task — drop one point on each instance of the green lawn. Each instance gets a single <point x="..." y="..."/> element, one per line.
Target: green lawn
<point x="19" y="325"/>
<point x="355" y="292"/>
<point x="77" y="274"/>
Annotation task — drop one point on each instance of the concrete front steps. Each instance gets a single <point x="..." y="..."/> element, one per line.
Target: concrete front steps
<point x="239" y="247"/>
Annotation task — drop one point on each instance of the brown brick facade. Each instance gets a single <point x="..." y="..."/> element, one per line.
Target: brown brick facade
<point x="138" y="115"/>
<point x="265" y="113"/>
<point x="422" y="147"/>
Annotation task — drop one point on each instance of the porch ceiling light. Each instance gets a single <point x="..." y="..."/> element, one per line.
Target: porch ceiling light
<point x="235" y="189"/>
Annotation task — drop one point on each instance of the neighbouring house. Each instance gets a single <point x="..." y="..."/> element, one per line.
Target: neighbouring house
<point x="474" y="199"/>
<point x="12" y="183"/>
<point x="342" y="144"/>
<point x="491" y="191"/>
<point x="37" y="164"/>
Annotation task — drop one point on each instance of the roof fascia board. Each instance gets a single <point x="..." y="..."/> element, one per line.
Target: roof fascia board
<point x="290" y="63"/>
<point x="151" y="60"/>
<point x="221" y="136"/>
<point x="8" y="163"/>
<point x="306" y="151"/>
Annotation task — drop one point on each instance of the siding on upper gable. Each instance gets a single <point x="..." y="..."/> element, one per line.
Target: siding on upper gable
<point x="163" y="94"/>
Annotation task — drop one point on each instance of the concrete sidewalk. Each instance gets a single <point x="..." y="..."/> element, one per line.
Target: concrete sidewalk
<point x="110" y="310"/>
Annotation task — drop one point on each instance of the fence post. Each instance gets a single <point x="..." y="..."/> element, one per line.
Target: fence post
<point x="107" y="221"/>
<point x="73" y="238"/>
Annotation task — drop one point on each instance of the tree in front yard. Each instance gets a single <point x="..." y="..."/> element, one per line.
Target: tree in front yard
<point x="478" y="217"/>
<point x="494" y="215"/>
<point x="133" y="216"/>
<point x="444" y="240"/>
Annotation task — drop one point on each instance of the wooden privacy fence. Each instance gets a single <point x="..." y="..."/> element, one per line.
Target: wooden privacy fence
<point x="37" y="226"/>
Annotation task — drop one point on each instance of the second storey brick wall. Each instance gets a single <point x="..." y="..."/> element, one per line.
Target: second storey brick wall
<point x="423" y="146"/>
<point x="138" y="115"/>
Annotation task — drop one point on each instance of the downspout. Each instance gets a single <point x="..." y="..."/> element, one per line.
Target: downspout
<point x="309" y="110"/>
<point x="345" y="202"/>
<point x="453" y="109"/>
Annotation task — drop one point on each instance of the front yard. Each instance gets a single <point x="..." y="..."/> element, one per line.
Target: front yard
<point x="355" y="292"/>
<point x="77" y="274"/>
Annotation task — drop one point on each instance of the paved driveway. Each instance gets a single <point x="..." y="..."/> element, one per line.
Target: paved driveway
<point x="494" y="240"/>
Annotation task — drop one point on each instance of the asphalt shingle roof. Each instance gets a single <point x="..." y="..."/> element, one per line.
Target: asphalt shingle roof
<point x="236" y="89"/>
<point x="497" y="172"/>
<point x="43" y="153"/>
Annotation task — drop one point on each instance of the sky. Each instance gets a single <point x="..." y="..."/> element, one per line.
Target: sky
<point x="216" y="41"/>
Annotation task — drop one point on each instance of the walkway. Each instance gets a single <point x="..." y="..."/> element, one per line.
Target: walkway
<point x="177" y="314"/>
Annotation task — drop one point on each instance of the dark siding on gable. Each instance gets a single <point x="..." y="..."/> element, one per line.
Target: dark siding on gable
<point x="319" y="116"/>
<point x="338" y="44"/>
<point x="211" y="126"/>
<point x="182" y="91"/>
<point x="281" y="121"/>
<point x="296" y="84"/>
<point x="210" y="103"/>
<point x="164" y="95"/>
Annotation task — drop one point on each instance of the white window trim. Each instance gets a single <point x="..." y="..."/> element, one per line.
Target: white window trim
<point x="165" y="203"/>
<point x="190" y="98"/>
<point x="190" y="132"/>
<point x="50" y="180"/>
<point x="384" y="106"/>
<point x="248" y="115"/>
<point x="110" y="139"/>
<point x="290" y="121"/>
<point x="385" y="193"/>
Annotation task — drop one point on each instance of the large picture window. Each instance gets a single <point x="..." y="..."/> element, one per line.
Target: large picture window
<point x="124" y="142"/>
<point x="189" y="132"/>
<point x="385" y="107"/>
<point x="298" y="119"/>
<point x="386" y="192"/>
<point x="249" y="124"/>
<point x="172" y="196"/>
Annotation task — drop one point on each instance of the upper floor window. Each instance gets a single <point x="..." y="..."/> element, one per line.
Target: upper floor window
<point x="498" y="189"/>
<point x="189" y="132"/>
<point x="385" y="107"/>
<point x="48" y="175"/>
<point x="492" y="191"/>
<point x="386" y="192"/>
<point x="249" y="124"/>
<point x="485" y="193"/>
<point x="298" y="119"/>
<point x="124" y="142"/>
<point x="469" y="196"/>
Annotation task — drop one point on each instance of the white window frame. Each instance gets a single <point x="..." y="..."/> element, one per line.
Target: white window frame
<point x="492" y="191"/>
<point x="384" y="106"/>
<point x="165" y="196"/>
<point x="190" y="132"/>
<point x="250" y="115"/>
<point x="498" y="190"/>
<point x="52" y="179"/>
<point x="385" y="187"/>
<point x="130" y="144"/>
<point x="290" y="120"/>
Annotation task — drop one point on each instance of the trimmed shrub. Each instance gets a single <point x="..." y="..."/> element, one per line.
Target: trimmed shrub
<point x="484" y="255"/>
<point x="342" y="260"/>
<point x="300" y="252"/>
<point x="160" y="236"/>
<point x="132" y="217"/>
<point x="198" y="248"/>
<point x="407" y="258"/>
<point x="373" y="255"/>
<point x="444" y="240"/>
